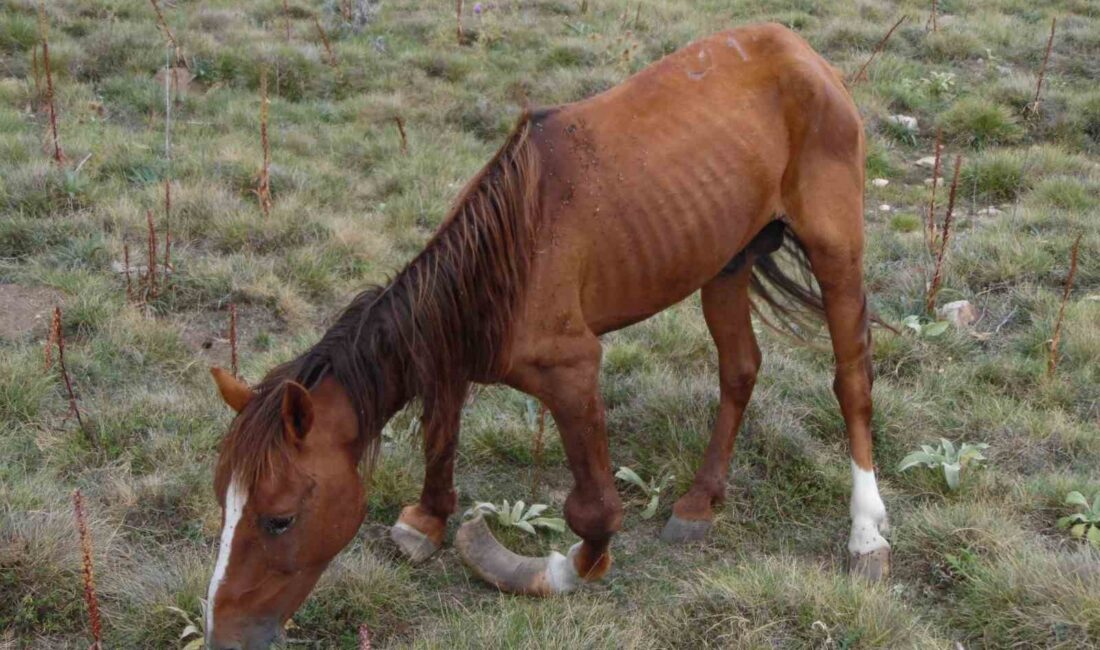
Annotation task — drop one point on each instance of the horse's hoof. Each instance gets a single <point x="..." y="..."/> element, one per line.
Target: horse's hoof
<point x="415" y="545"/>
<point x="873" y="565"/>
<point x="516" y="574"/>
<point x="682" y="531"/>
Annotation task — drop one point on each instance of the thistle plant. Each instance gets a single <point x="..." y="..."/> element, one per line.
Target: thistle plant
<point x="945" y="455"/>
<point x="519" y="516"/>
<point x="1085" y="524"/>
<point x="193" y="636"/>
<point x="925" y="327"/>
<point x="652" y="489"/>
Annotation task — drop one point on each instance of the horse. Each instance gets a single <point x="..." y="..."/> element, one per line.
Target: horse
<point x="592" y="216"/>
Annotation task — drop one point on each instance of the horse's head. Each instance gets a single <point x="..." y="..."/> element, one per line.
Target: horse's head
<point x="291" y="497"/>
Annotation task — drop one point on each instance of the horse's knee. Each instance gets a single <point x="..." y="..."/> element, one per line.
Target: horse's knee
<point x="739" y="381"/>
<point x="595" y="514"/>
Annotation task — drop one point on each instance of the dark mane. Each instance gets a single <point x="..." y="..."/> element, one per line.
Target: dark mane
<point x="444" y="320"/>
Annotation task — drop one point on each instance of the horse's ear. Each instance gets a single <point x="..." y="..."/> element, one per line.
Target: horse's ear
<point x="297" y="409"/>
<point x="235" y="392"/>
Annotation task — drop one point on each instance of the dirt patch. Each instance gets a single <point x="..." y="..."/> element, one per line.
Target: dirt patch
<point x="26" y="310"/>
<point x="207" y="333"/>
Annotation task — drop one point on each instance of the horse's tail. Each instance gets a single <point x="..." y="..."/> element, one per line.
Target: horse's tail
<point x="783" y="280"/>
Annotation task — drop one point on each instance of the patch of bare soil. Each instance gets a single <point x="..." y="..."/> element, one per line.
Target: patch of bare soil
<point x="207" y="333"/>
<point x="26" y="310"/>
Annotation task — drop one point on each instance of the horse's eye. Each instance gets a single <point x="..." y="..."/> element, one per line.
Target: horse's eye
<point x="276" y="526"/>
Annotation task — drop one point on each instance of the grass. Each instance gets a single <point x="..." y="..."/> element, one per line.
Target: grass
<point x="983" y="566"/>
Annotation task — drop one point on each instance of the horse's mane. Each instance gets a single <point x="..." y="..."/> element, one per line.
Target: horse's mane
<point x="442" y="321"/>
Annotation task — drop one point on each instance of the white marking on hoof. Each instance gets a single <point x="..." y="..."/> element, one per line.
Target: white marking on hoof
<point x="561" y="573"/>
<point x="235" y="500"/>
<point x="868" y="513"/>
<point x="413" y="543"/>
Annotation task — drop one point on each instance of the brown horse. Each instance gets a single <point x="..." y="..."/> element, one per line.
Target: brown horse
<point x="592" y="216"/>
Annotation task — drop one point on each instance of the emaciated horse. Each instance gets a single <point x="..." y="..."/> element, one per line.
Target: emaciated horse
<point x="592" y="216"/>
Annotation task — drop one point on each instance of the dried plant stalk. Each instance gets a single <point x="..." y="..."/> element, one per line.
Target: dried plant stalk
<point x="263" y="188"/>
<point x="167" y="228"/>
<point x="345" y="10"/>
<point x="364" y="637"/>
<point x="458" y="19"/>
<point x="233" y="362"/>
<point x="945" y="237"/>
<point x="935" y="18"/>
<point x="163" y="24"/>
<point x="878" y="48"/>
<point x="126" y="262"/>
<point x="324" y="39"/>
<point x="87" y="570"/>
<point x="51" y="103"/>
<point x="401" y="130"/>
<point x="930" y="226"/>
<point x="151" y="272"/>
<point x="51" y="338"/>
<point x="59" y="339"/>
<point x="1034" y="106"/>
<point x="1056" y="339"/>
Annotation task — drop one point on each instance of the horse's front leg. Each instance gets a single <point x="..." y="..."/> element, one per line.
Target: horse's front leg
<point x="420" y="527"/>
<point x="567" y="382"/>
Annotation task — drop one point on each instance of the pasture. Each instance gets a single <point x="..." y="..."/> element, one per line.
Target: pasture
<point x="379" y="111"/>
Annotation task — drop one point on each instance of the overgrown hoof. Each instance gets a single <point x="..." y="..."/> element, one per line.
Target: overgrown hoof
<point x="414" y="545"/>
<point x="512" y="573"/>
<point x="873" y="566"/>
<point x="683" y="531"/>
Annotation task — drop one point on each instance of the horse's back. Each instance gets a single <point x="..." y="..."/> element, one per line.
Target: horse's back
<point x="654" y="185"/>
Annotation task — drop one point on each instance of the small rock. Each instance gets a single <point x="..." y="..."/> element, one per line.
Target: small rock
<point x="939" y="182"/>
<point x="927" y="161"/>
<point x="989" y="212"/>
<point x="903" y="120"/>
<point x="880" y="182"/>
<point x="960" y="313"/>
<point x="884" y="208"/>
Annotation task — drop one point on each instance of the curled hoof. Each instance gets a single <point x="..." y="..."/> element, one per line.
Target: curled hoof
<point x="414" y="545"/>
<point x="873" y="565"/>
<point x="512" y="573"/>
<point x="681" y="531"/>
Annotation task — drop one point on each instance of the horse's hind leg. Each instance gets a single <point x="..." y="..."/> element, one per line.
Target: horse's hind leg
<point x="726" y="308"/>
<point x="826" y="213"/>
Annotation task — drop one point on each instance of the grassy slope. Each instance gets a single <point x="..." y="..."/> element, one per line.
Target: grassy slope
<point x="983" y="566"/>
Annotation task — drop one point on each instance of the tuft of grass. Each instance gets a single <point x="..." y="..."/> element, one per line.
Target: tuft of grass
<point x="583" y="620"/>
<point x="787" y="602"/>
<point x="1030" y="597"/>
<point x="999" y="175"/>
<point x="979" y="122"/>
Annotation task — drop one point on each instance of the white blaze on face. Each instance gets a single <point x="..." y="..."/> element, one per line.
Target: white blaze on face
<point x="235" y="499"/>
<point x="868" y="513"/>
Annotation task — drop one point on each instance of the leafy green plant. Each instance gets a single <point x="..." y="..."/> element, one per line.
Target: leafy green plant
<point x="652" y="489"/>
<point x="924" y="326"/>
<point x="945" y="455"/>
<point x="1086" y="524"/>
<point x="519" y="516"/>
<point x="193" y="636"/>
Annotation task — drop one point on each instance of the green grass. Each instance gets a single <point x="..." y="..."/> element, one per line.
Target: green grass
<point x="983" y="566"/>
